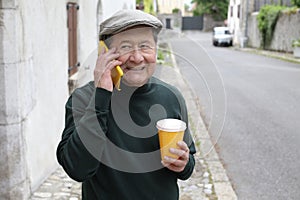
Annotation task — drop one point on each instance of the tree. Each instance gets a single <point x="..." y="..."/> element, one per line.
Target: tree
<point x="216" y="8"/>
<point x="296" y="3"/>
<point x="148" y="5"/>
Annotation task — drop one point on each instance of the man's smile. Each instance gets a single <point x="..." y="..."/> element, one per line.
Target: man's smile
<point x="136" y="68"/>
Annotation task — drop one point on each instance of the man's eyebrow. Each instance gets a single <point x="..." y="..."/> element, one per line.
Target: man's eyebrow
<point x="126" y="41"/>
<point x="145" y="41"/>
<point x="130" y="41"/>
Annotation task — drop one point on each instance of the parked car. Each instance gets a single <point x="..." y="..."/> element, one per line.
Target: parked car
<point x="222" y="36"/>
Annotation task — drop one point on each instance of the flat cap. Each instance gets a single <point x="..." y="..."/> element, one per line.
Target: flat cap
<point x="125" y="19"/>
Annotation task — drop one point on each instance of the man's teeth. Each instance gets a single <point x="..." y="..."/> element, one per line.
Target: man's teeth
<point x="136" y="68"/>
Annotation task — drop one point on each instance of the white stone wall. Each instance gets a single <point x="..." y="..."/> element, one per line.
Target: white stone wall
<point x="44" y="24"/>
<point x="34" y="84"/>
<point x="287" y="29"/>
<point x="34" y="71"/>
<point x="253" y="32"/>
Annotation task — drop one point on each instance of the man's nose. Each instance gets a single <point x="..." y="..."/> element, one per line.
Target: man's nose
<point x="136" y="56"/>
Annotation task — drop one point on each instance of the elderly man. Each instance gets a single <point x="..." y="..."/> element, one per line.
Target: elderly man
<point x="110" y="142"/>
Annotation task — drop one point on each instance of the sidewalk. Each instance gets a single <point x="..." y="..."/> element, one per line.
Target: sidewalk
<point x="209" y="180"/>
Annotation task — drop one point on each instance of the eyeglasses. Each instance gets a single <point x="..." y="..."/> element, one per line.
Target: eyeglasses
<point x="144" y="48"/>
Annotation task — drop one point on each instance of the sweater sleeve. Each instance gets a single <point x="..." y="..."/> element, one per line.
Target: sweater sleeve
<point x="83" y="139"/>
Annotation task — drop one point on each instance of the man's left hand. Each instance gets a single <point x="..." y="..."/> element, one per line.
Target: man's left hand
<point x="177" y="165"/>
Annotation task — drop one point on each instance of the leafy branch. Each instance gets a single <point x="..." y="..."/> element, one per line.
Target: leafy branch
<point x="217" y="8"/>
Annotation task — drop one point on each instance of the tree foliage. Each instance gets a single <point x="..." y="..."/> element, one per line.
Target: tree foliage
<point x="296" y="3"/>
<point x="217" y="8"/>
<point x="148" y="6"/>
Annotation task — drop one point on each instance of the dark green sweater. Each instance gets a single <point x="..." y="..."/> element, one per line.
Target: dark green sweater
<point x="110" y="142"/>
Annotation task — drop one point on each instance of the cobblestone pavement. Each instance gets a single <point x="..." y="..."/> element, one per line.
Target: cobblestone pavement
<point x="59" y="186"/>
<point x="208" y="181"/>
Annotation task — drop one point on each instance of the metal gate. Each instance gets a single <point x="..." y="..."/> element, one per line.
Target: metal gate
<point x="192" y="23"/>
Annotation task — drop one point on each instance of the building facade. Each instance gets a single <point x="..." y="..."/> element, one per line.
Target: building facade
<point x="166" y="6"/>
<point x="34" y="70"/>
<point x="238" y="12"/>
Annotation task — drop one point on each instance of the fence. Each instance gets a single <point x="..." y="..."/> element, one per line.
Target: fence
<point x="259" y="3"/>
<point x="192" y="23"/>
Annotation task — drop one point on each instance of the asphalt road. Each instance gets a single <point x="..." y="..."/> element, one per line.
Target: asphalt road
<point x="251" y="105"/>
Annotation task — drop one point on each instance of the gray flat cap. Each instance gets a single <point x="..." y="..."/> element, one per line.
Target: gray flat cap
<point x="125" y="19"/>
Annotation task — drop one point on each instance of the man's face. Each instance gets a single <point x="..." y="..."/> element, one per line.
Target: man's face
<point x="137" y="50"/>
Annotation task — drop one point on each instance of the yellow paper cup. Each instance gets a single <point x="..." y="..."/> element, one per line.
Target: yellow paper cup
<point x="170" y="131"/>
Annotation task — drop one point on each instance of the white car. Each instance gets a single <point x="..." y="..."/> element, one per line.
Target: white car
<point x="222" y="36"/>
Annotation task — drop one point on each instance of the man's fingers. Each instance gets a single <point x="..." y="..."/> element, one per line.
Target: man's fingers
<point x="106" y="61"/>
<point x="182" y="145"/>
<point x="173" y="164"/>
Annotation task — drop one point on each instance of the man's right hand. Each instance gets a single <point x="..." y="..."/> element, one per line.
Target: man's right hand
<point x="105" y="63"/>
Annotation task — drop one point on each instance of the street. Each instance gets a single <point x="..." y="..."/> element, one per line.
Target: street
<point x="250" y="104"/>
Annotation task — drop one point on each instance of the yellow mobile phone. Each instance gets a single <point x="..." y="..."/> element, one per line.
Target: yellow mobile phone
<point x="117" y="72"/>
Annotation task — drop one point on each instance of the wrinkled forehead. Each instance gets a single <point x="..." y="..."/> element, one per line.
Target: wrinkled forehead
<point x="133" y="34"/>
<point x="136" y="32"/>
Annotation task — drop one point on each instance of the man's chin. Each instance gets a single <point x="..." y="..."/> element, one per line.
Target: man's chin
<point x="134" y="83"/>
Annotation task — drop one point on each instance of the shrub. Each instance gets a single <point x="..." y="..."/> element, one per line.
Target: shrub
<point x="175" y="10"/>
<point x="296" y="43"/>
<point x="267" y="19"/>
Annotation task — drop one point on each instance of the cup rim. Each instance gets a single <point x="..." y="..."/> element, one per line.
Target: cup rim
<point x="179" y="126"/>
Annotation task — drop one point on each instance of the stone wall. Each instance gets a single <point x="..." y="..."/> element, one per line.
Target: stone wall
<point x="34" y="84"/>
<point x="33" y="70"/>
<point x="287" y="29"/>
<point x="253" y="32"/>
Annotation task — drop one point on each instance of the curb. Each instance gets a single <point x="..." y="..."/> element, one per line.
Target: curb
<point x="213" y="181"/>
<point x="272" y="54"/>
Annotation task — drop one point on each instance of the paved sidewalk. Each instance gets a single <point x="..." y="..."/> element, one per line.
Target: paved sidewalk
<point x="209" y="180"/>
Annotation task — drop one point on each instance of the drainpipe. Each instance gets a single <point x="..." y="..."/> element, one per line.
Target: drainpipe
<point x="246" y="24"/>
<point x="244" y="39"/>
<point x="155" y="6"/>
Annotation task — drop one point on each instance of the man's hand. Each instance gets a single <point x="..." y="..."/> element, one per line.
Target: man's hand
<point x="105" y="63"/>
<point x="178" y="165"/>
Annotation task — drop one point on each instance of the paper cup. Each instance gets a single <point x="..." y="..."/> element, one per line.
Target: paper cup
<point x="170" y="131"/>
